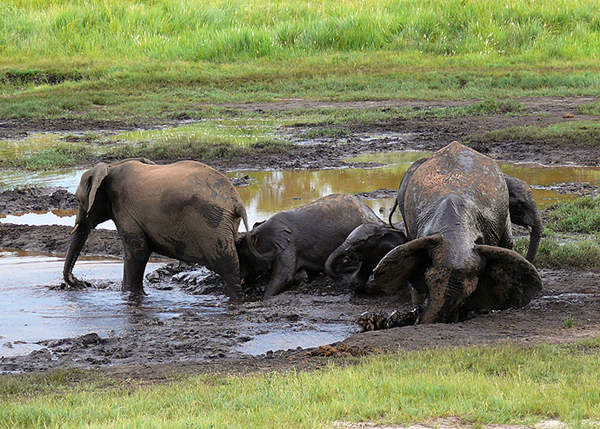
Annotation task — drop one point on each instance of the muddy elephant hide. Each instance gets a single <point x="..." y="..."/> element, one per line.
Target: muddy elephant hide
<point x="354" y="260"/>
<point x="301" y="239"/>
<point x="522" y="206"/>
<point x="185" y="210"/>
<point x="455" y="207"/>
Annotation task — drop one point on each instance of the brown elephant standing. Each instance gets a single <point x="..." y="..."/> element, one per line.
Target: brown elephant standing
<point x="455" y="207"/>
<point x="186" y="210"/>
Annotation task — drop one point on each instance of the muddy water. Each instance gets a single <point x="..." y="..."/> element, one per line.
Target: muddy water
<point x="31" y="311"/>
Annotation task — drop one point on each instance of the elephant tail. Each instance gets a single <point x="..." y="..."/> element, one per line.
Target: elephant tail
<point x="392" y="213"/>
<point x="240" y="211"/>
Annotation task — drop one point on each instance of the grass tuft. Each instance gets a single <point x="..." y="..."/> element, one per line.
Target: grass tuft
<point x="581" y="216"/>
<point x="578" y="133"/>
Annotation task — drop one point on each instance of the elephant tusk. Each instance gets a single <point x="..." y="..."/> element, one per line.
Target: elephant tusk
<point x="74" y="229"/>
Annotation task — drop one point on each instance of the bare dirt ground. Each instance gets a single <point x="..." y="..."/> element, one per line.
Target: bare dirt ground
<point x="154" y="349"/>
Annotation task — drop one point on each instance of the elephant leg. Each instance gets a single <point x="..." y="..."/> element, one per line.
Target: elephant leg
<point x="228" y="268"/>
<point x="137" y="253"/>
<point x="282" y="274"/>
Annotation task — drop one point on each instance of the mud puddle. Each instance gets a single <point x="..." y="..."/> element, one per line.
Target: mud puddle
<point x="303" y="336"/>
<point x="32" y="308"/>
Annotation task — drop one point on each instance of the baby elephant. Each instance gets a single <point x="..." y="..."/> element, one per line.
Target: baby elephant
<point x="300" y="238"/>
<point x="360" y="253"/>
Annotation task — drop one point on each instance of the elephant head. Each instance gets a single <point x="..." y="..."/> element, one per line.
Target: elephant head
<point x="258" y="248"/>
<point x="448" y="281"/>
<point x="358" y="255"/>
<point x="524" y="212"/>
<point x="93" y="209"/>
<point x="456" y="210"/>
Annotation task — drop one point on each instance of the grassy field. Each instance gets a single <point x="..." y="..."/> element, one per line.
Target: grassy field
<point x="571" y="236"/>
<point x="161" y="59"/>
<point x="139" y="62"/>
<point x="500" y="384"/>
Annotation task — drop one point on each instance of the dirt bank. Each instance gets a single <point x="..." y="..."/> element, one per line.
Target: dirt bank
<point x="154" y="347"/>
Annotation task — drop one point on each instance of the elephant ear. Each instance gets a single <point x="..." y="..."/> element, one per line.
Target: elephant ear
<point x="507" y="280"/>
<point x="89" y="184"/>
<point x="272" y="243"/>
<point x="394" y="270"/>
<point x="392" y="238"/>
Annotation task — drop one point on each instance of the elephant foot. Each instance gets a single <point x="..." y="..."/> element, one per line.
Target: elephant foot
<point x="376" y="321"/>
<point x="74" y="283"/>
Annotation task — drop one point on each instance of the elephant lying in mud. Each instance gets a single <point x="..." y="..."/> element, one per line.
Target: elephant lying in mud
<point x="185" y="210"/>
<point x="455" y="207"/>
<point x="521" y="204"/>
<point x="300" y="239"/>
<point x="355" y="259"/>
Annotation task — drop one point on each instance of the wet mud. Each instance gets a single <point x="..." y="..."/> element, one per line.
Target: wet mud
<point x="235" y="336"/>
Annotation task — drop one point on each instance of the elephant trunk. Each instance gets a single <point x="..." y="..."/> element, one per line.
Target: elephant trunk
<point x="339" y="263"/>
<point x="535" y="237"/>
<point x="332" y="264"/>
<point x="449" y="284"/>
<point x="80" y="235"/>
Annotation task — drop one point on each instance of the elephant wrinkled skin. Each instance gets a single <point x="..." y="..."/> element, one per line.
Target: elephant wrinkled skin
<point x="455" y="207"/>
<point x="355" y="259"/>
<point x="301" y="239"/>
<point x="184" y="210"/>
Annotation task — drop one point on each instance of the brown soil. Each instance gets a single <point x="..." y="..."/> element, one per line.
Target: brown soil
<point x="155" y="349"/>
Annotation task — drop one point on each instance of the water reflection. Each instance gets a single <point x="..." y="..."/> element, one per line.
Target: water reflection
<point x="67" y="179"/>
<point x="282" y="190"/>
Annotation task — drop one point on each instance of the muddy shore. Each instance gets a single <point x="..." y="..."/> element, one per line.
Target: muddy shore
<point x="155" y="348"/>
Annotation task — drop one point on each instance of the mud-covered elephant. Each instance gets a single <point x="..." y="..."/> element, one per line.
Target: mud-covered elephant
<point x="300" y="239"/>
<point x="522" y="206"/>
<point x="354" y="260"/>
<point x="455" y="207"/>
<point x="184" y="210"/>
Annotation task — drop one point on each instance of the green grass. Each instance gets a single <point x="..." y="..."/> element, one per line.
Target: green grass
<point x="483" y="385"/>
<point x="581" y="216"/>
<point x="224" y="30"/>
<point x="571" y="238"/>
<point x="577" y="133"/>
<point x="581" y="253"/>
<point x="130" y="60"/>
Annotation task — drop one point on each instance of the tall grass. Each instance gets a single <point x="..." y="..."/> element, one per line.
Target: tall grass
<point x="502" y="384"/>
<point x="228" y="30"/>
<point x="120" y="59"/>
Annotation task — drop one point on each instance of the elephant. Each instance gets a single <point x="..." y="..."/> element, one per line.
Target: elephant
<point x="522" y="206"/>
<point x="298" y="240"/>
<point x="360" y="253"/>
<point x="186" y="210"/>
<point x="458" y="256"/>
<point x="524" y="212"/>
